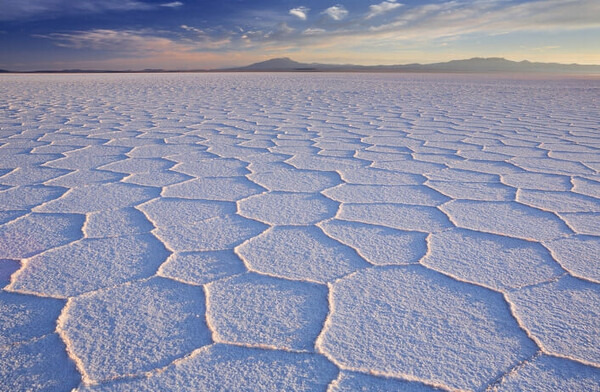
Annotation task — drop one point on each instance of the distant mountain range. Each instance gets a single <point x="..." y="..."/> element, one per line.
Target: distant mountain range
<point x="474" y="65"/>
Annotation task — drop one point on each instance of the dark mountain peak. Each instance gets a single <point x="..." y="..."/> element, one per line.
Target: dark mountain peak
<point x="281" y="63"/>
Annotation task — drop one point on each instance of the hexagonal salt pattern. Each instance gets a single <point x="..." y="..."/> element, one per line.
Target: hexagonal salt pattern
<point x="232" y="368"/>
<point x="288" y="208"/>
<point x="494" y="261"/>
<point x="299" y="232"/>
<point x="134" y="328"/>
<point x="299" y="253"/>
<point x="90" y="264"/>
<point x="438" y="330"/>
<point x="563" y="317"/>
<point x="262" y="311"/>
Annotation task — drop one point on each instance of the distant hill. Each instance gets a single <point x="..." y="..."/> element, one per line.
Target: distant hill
<point x="474" y="65"/>
<point x="283" y="64"/>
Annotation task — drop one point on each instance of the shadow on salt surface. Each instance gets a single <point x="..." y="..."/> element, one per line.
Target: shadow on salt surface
<point x="440" y="330"/>
<point x="25" y="317"/>
<point x="90" y="264"/>
<point x="258" y="310"/>
<point x="7" y="268"/>
<point x="40" y="365"/>
<point x="29" y="196"/>
<point x="35" y="233"/>
<point x="7" y="216"/>
<point x="233" y="369"/>
<point x="546" y="373"/>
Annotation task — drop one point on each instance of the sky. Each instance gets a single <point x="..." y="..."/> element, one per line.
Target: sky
<point x="187" y="34"/>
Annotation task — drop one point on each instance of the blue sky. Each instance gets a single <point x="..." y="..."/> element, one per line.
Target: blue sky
<point x="186" y="34"/>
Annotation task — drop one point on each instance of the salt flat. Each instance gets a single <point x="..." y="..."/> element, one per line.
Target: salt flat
<point x="299" y="232"/>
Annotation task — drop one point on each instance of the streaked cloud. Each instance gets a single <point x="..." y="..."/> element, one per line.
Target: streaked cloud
<point x="300" y="12"/>
<point x="173" y="4"/>
<point x="382" y="8"/>
<point x="192" y="29"/>
<point x="135" y="42"/>
<point x="336" y="12"/>
<point x="314" y="31"/>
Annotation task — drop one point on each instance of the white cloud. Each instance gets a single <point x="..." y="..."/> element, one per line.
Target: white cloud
<point x="300" y="12"/>
<point x="381" y="8"/>
<point x="192" y="29"/>
<point x="336" y="12"/>
<point x="313" y="31"/>
<point x="173" y="4"/>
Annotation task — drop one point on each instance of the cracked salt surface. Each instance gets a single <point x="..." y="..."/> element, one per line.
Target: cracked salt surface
<point x="226" y="232"/>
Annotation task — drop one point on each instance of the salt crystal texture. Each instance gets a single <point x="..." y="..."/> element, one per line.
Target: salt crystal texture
<point x="299" y="232"/>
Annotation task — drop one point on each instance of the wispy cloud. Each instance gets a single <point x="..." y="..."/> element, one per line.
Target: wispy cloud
<point x="173" y="4"/>
<point x="300" y="12"/>
<point x="192" y="29"/>
<point x="32" y="9"/>
<point x="336" y="12"/>
<point x="135" y="42"/>
<point x="492" y="17"/>
<point x="314" y="31"/>
<point x="382" y="8"/>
